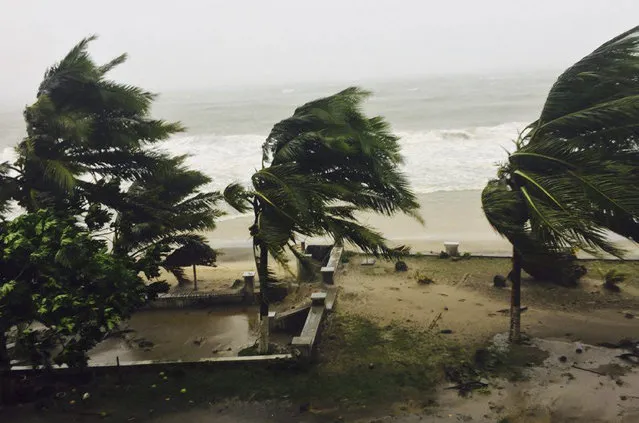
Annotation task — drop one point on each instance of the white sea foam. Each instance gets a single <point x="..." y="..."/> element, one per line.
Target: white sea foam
<point x="456" y="159"/>
<point x="8" y="155"/>
<point x="435" y="160"/>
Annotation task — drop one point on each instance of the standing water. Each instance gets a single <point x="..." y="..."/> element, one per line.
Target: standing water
<point x="186" y="335"/>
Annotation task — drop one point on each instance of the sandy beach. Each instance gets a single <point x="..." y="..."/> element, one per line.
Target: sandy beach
<point x="448" y="216"/>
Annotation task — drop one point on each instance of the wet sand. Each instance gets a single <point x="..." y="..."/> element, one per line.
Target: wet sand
<point x="448" y="215"/>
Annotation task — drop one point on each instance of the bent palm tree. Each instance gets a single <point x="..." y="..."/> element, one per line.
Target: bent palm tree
<point x="168" y="210"/>
<point x="319" y="167"/>
<point x="574" y="175"/>
<point x="84" y="132"/>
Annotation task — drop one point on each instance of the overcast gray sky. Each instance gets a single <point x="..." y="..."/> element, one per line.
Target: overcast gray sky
<point x="190" y="44"/>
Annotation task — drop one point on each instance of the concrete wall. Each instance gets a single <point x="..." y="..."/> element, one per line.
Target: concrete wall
<point x="147" y="365"/>
<point x="197" y="299"/>
<point x="334" y="259"/>
<point x="245" y="293"/>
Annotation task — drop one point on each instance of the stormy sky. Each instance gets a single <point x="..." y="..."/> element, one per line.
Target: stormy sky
<point x="197" y="44"/>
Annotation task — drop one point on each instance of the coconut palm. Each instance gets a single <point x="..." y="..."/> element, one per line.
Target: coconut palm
<point x="574" y="175"/>
<point x="83" y="131"/>
<point x="87" y="138"/>
<point x="169" y="209"/>
<point x="319" y="167"/>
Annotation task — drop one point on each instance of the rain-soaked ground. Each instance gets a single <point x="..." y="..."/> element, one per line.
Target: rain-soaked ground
<point x="593" y="386"/>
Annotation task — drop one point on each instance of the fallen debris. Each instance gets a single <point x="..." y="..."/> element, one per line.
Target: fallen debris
<point x="574" y="366"/>
<point x="467" y="387"/>
<point x="499" y="281"/>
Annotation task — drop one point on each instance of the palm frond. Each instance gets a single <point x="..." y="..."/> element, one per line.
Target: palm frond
<point x="60" y="174"/>
<point x="573" y="176"/>
<point x="107" y="67"/>
<point x="237" y="197"/>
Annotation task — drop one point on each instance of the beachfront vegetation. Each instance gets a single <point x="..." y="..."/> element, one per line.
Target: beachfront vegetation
<point x="115" y="207"/>
<point x="161" y="230"/>
<point x="573" y="175"/>
<point x="319" y="167"/>
<point x="55" y="274"/>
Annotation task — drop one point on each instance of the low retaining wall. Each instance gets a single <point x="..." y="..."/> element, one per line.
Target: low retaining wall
<point x="197" y="299"/>
<point x="328" y="271"/>
<point x="304" y="344"/>
<point x="290" y="320"/>
<point x="245" y="293"/>
<point x="149" y="365"/>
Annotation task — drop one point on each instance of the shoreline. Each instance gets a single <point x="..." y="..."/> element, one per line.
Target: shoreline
<point x="448" y="215"/>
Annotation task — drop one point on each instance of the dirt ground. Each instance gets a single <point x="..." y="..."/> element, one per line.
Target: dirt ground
<point x="462" y="299"/>
<point x="231" y="264"/>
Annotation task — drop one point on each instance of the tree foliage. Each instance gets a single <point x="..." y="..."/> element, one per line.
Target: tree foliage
<point x="90" y="159"/>
<point x="89" y="151"/>
<point x="574" y="175"/>
<point x="161" y="231"/>
<point x="64" y="286"/>
<point x="321" y="166"/>
<point x="83" y="132"/>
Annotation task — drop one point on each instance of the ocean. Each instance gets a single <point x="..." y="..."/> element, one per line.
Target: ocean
<point x="453" y="129"/>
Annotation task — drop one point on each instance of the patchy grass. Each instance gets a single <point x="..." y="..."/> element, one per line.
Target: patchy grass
<point x="362" y="361"/>
<point x="359" y="363"/>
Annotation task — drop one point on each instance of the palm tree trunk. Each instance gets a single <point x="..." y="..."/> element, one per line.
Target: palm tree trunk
<point x="194" y="279"/>
<point x="262" y="272"/>
<point x="514" y="334"/>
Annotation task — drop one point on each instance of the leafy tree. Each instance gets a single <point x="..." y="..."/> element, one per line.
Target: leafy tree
<point x="319" y="167"/>
<point x="83" y="132"/>
<point x="574" y="175"/>
<point x="87" y="139"/>
<point x="56" y="274"/>
<point x="160" y="231"/>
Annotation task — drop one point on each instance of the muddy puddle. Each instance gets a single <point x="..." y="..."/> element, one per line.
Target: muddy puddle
<point x="180" y="335"/>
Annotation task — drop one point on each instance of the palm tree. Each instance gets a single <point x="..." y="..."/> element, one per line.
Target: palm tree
<point x="574" y="175"/>
<point x="169" y="208"/>
<point x="85" y="133"/>
<point x="87" y="137"/>
<point x="319" y="167"/>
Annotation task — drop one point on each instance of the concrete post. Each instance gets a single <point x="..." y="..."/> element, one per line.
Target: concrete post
<point x="318" y="298"/>
<point x="328" y="275"/>
<point x="452" y="248"/>
<point x="249" y="282"/>
<point x="271" y="320"/>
